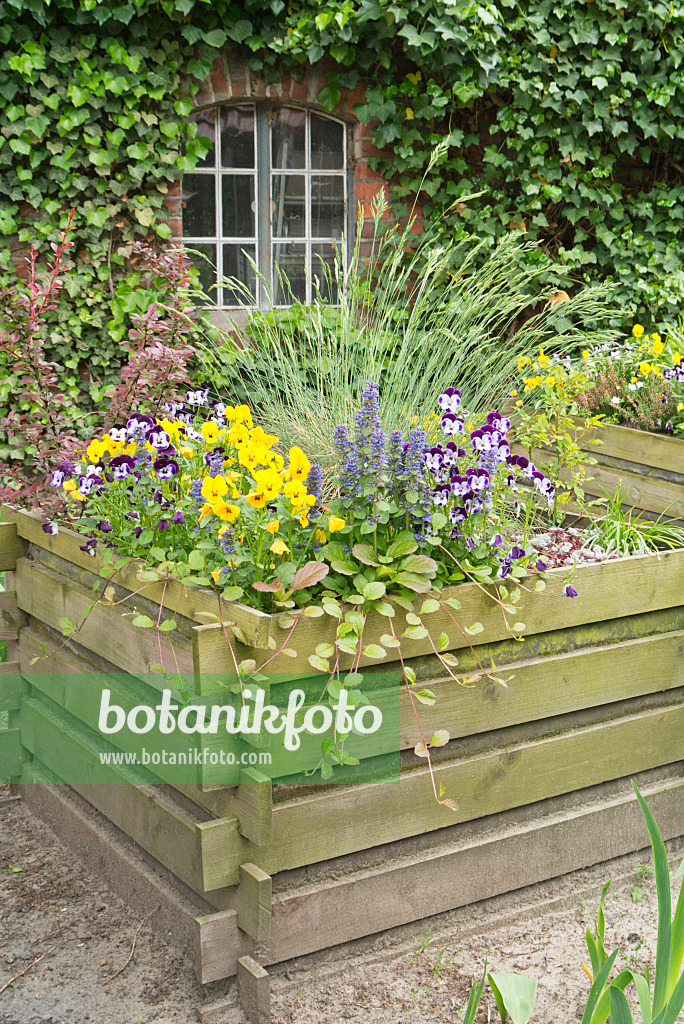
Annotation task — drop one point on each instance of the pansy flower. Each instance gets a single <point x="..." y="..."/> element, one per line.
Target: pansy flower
<point x="441" y="495"/>
<point x="197" y="398"/>
<point x="433" y="459"/>
<point x="158" y="438"/>
<point x="119" y="433"/>
<point x="122" y="466"/>
<point x="450" y="400"/>
<point x="50" y="528"/>
<point x="165" y="468"/>
<point x="139" y="424"/>
<point x="87" y="484"/>
<point x="452" y="424"/>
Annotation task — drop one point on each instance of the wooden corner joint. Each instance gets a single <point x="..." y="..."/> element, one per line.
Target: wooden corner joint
<point x="255" y="896"/>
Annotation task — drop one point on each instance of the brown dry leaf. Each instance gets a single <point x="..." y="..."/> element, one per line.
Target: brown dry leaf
<point x="517" y="225"/>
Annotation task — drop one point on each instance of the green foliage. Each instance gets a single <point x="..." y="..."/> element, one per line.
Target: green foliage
<point x="620" y="528"/>
<point x="565" y="114"/>
<point x="308" y="366"/>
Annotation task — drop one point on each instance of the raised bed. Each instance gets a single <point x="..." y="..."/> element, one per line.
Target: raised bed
<point x="540" y="769"/>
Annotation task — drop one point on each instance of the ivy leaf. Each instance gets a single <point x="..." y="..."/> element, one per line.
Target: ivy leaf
<point x="216" y="38"/>
<point x="240" y="31"/>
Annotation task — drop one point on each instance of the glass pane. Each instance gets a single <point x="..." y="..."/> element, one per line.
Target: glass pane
<point x="206" y="126"/>
<point x="290" y="260"/>
<point x="237" y="137"/>
<point x="288" y="138"/>
<point x="237" y="192"/>
<point x="204" y="258"/>
<point x="199" y="206"/>
<point x="323" y="268"/>
<point x="327" y="144"/>
<point x="289" y="205"/>
<point x="236" y="264"/>
<point x="327" y="206"/>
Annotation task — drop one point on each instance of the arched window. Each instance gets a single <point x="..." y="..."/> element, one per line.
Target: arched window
<point x="272" y="187"/>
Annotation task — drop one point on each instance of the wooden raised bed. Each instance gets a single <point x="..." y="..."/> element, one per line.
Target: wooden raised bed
<point x="540" y="769"/>
<point x="649" y="467"/>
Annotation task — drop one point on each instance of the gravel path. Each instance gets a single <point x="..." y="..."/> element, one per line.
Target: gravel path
<point x="418" y="973"/>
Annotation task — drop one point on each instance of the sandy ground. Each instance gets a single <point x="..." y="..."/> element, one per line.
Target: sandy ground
<point x="414" y="974"/>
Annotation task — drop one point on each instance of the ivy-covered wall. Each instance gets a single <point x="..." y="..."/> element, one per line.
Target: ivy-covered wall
<point x="566" y="114"/>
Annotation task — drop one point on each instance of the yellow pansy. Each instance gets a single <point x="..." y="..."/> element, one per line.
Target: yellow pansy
<point x="207" y="510"/>
<point x="96" y="449"/>
<point x="523" y="362"/>
<point x="187" y="452"/>
<point x="676" y="358"/>
<point x="514" y="394"/>
<point x="637" y="330"/>
<point x="211" y="432"/>
<point x="320" y="537"/>
<point x="645" y="368"/>
<point x="543" y="360"/>
<point x="267" y="487"/>
<point x="299" y="464"/>
<point x="550" y="382"/>
<point x="657" y="346"/>
<point x="335" y="524"/>
<point x="273" y="526"/>
<point x="279" y="547"/>
<point x="214" y="487"/>
<point x="680" y="407"/>
<point x="252" y="455"/>
<point x="260" y="436"/>
<point x="228" y="513"/>
<point x="585" y="354"/>
<point x="69" y="485"/>
<point x="238" y="435"/>
<point x="242" y="414"/>
<point x="215" y="574"/>
<point x="633" y="380"/>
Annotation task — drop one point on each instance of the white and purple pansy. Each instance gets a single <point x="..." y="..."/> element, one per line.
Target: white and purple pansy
<point x="158" y="438"/>
<point x="199" y="397"/>
<point x="460" y="485"/>
<point x="441" y="495"/>
<point x="449" y="400"/>
<point x="118" y="433"/>
<point x="458" y="515"/>
<point x="478" y="479"/>
<point x="192" y="434"/>
<point x="452" y="424"/>
<point x="502" y="423"/>
<point x="139" y="424"/>
<point x="433" y="459"/>
<point x="166" y="468"/>
<point x="87" y="484"/>
<point x="50" y="528"/>
<point x="121" y="467"/>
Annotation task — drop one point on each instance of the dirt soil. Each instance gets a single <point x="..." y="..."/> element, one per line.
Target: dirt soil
<point x="418" y="973"/>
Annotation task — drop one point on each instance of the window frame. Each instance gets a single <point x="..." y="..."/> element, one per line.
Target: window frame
<point x="264" y="174"/>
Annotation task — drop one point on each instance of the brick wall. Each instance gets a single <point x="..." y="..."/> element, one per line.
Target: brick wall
<point x="231" y="80"/>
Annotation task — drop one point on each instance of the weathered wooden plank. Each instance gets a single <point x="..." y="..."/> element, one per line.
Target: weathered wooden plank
<point x="9" y="667"/>
<point x="255" y="991"/>
<point x="191" y="602"/>
<point x="640" y="446"/>
<point x="254" y="902"/>
<point x="12" y="689"/>
<point x="11" y="754"/>
<point x="12" y="546"/>
<point x="547" y="686"/>
<point x="48" y="596"/>
<point x="11" y="619"/>
<point x="457" y="873"/>
<point x="624" y="587"/>
<point x="218" y="945"/>
<point x="221" y="849"/>
<point x="638" y="490"/>
<point x="484" y="784"/>
<point x="254" y="807"/>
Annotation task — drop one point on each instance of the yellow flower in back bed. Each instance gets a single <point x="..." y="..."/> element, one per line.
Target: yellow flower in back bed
<point x="252" y="455"/>
<point x="676" y="358"/>
<point x="211" y="432"/>
<point x="238" y="435"/>
<point x="645" y="368"/>
<point x="335" y="524"/>
<point x="279" y="547"/>
<point x="523" y="362"/>
<point x="260" y="436"/>
<point x="543" y="359"/>
<point x="637" y="330"/>
<point x="273" y="526"/>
